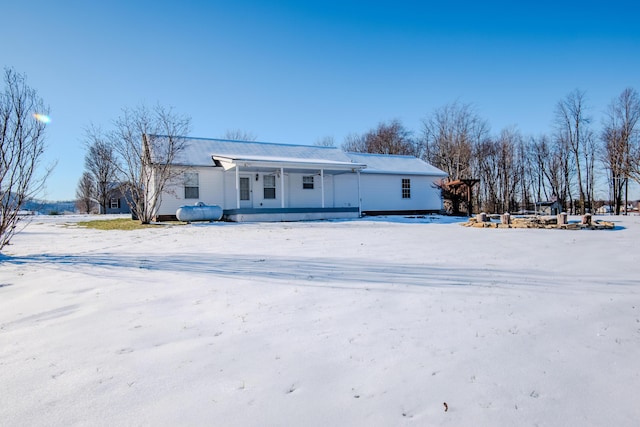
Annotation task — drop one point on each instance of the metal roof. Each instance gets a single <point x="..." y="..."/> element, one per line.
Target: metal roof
<point x="200" y="151"/>
<point x="395" y="164"/>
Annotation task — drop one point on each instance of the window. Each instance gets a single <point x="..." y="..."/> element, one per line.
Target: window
<point x="191" y="185"/>
<point x="114" y="203"/>
<point x="269" y="186"/>
<point x="406" y="188"/>
<point x="307" y="182"/>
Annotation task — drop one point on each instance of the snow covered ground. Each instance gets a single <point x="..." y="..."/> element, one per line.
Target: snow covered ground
<point x="372" y="322"/>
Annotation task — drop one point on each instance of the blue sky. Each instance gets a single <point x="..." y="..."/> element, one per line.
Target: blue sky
<point x="296" y="71"/>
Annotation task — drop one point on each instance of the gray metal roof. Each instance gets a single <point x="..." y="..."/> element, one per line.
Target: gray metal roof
<point x="199" y="152"/>
<point x="395" y="164"/>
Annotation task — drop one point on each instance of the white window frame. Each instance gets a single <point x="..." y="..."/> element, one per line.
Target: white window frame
<point x="406" y="188"/>
<point x="191" y="185"/>
<point x="269" y="186"/>
<point x="307" y="182"/>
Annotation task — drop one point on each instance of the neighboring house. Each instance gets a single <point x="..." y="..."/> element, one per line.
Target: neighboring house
<point x="116" y="203"/>
<point x="255" y="181"/>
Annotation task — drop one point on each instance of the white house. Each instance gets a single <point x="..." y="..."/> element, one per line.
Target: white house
<point x="256" y="181"/>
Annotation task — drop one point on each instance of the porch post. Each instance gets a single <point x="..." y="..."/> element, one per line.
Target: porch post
<point x="237" y="186"/>
<point x="359" y="198"/>
<point x="322" y="185"/>
<point x="282" y="187"/>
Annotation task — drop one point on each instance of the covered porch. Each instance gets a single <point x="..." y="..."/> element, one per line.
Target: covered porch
<point x="277" y="189"/>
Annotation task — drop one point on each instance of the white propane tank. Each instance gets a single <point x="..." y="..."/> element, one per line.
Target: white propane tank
<point x="199" y="212"/>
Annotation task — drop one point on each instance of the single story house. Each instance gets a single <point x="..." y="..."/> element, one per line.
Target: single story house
<point x="257" y="181"/>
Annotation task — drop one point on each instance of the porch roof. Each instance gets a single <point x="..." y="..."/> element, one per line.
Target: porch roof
<point x="267" y="163"/>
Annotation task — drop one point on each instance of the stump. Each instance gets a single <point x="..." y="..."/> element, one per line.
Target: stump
<point x="562" y="218"/>
<point x="505" y="218"/>
<point x="586" y="219"/>
<point x="481" y="217"/>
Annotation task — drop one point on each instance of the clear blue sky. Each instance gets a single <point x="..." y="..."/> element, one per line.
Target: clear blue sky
<point x="295" y="71"/>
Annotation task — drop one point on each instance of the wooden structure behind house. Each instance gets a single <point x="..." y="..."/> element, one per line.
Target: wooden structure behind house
<point x="256" y="181"/>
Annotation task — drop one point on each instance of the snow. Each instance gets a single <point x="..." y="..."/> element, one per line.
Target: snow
<point x="374" y="322"/>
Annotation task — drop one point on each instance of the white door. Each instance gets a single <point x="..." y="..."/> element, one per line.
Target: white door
<point x="245" y="192"/>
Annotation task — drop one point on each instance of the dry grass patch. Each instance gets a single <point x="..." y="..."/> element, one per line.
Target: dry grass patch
<point x="115" y="224"/>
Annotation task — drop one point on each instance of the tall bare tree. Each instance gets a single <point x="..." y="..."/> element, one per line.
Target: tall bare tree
<point x="501" y="168"/>
<point x="451" y="135"/>
<point x="148" y="144"/>
<point x="590" y="154"/>
<point x="100" y="162"/>
<point x="85" y="193"/>
<point x="22" y="144"/>
<point x="551" y="170"/>
<point x="572" y="131"/>
<point x="620" y="135"/>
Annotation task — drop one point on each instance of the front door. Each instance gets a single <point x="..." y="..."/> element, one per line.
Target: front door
<point x="245" y="192"/>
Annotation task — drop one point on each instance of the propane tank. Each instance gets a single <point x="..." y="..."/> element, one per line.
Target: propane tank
<point x="199" y="212"/>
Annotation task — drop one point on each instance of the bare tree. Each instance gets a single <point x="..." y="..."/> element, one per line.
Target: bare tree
<point x="148" y="144"/>
<point x="451" y="134"/>
<point x="571" y="131"/>
<point x="386" y="138"/>
<point x="354" y="143"/>
<point x="501" y="170"/>
<point x="620" y="136"/>
<point x="487" y="166"/>
<point x="100" y="162"/>
<point x="525" y="172"/>
<point x="325" y="141"/>
<point x="22" y="144"/>
<point x="590" y="153"/>
<point x="85" y="193"/>
<point x="616" y="160"/>
<point x="239" y="135"/>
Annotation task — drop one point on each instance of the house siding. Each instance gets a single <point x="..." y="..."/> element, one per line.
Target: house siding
<point x="210" y="188"/>
<point x="383" y="193"/>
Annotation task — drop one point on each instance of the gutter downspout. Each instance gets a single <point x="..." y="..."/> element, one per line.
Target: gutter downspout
<point x="237" y="187"/>
<point x="359" y="197"/>
<point x="282" y="186"/>
<point x="322" y="185"/>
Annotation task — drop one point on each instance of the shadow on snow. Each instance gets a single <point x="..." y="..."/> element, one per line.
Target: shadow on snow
<point x="322" y="272"/>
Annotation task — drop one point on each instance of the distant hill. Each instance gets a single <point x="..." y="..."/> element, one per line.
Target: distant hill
<point x="45" y="207"/>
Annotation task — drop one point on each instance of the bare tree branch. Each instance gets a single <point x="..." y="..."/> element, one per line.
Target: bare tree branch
<point x="22" y="144"/>
<point x="148" y="144"/>
<point x="239" y="135"/>
<point x="100" y="162"/>
<point x="85" y="193"/>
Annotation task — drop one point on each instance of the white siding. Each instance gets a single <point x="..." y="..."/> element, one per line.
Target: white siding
<point x="210" y="189"/>
<point x="384" y="193"/>
<point x="346" y="190"/>
<point x="379" y="192"/>
<point x="300" y="197"/>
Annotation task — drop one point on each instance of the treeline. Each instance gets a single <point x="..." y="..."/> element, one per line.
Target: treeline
<point x="515" y="171"/>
